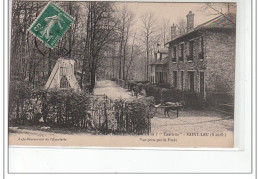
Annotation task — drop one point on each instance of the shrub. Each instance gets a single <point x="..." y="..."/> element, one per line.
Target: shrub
<point x="66" y="108"/>
<point x="168" y="86"/>
<point x="171" y="95"/>
<point x="193" y="100"/>
<point x="153" y="90"/>
<point x="143" y="82"/>
<point x="20" y="94"/>
<point x="131" y="85"/>
<point x="162" y="95"/>
<point x="133" y="117"/>
<point x="216" y="98"/>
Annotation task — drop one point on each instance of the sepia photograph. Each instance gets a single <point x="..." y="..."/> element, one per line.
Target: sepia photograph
<point x="122" y="74"/>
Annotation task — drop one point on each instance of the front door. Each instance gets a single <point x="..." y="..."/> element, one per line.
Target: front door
<point x="202" y="84"/>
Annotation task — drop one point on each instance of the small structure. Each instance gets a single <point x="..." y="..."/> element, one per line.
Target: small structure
<point x="159" y="67"/>
<point x="62" y="76"/>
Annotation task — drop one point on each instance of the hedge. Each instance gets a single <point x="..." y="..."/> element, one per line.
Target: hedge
<point x="66" y="108"/>
<point x="133" y="117"/>
<point x="163" y="93"/>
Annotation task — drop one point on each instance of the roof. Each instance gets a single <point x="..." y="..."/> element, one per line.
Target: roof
<point x="227" y="21"/>
<point x="163" y="50"/>
<point x="223" y="21"/>
<point x="158" y="62"/>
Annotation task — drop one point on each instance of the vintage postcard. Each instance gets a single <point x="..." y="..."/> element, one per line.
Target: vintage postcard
<point x="122" y="74"/>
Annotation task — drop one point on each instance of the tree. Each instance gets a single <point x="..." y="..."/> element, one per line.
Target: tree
<point x="126" y="17"/>
<point x="165" y="31"/>
<point x="220" y="9"/>
<point x="148" y="33"/>
<point x="100" y="29"/>
<point x="181" y="27"/>
<point x="134" y="54"/>
<point x="30" y="58"/>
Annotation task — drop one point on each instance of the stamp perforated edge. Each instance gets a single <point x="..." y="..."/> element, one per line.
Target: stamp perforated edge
<point x="43" y="10"/>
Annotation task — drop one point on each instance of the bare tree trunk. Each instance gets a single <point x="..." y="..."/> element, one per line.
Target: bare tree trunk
<point x="70" y="35"/>
<point x="120" y="50"/>
<point x="147" y="56"/>
<point x="131" y="58"/>
<point x="49" y="63"/>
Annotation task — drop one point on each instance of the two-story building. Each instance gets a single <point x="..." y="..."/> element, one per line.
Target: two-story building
<point x="203" y="59"/>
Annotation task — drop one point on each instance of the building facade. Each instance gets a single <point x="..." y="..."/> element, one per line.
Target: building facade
<point x="203" y="59"/>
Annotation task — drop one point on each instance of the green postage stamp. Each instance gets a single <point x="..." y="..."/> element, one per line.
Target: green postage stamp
<point x="51" y="24"/>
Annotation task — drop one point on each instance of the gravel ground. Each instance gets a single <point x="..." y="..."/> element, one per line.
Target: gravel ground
<point x="112" y="90"/>
<point x="192" y="121"/>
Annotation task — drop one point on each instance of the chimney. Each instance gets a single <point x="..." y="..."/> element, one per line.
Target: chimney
<point x="173" y="31"/>
<point x="190" y="21"/>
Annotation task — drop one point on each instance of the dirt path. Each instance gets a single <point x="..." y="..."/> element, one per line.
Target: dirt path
<point x="112" y="90"/>
<point x="192" y="121"/>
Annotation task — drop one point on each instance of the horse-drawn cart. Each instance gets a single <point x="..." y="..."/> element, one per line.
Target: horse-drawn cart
<point x="170" y="106"/>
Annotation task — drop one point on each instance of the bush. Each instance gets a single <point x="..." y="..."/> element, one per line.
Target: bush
<point x="168" y="86"/>
<point x="216" y="98"/>
<point x="143" y="82"/>
<point x="66" y="108"/>
<point x="171" y="95"/>
<point x="153" y="90"/>
<point x="20" y="94"/>
<point x="193" y="100"/>
<point x="162" y="95"/>
<point x="133" y="117"/>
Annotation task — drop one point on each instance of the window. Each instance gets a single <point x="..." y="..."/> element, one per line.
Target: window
<point x="182" y="52"/>
<point x="165" y="77"/>
<point x="63" y="71"/>
<point x="202" y="44"/>
<point x="182" y="79"/>
<point x="201" y="53"/>
<point x="174" y="53"/>
<point x="191" y="79"/>
<point x="190" y="55"/>
<point x="174" y="79"/>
